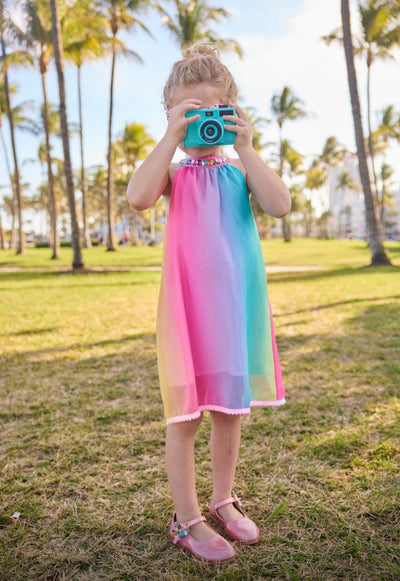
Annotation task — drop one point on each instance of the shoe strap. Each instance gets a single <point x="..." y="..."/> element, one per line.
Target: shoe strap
<point x="196" y="520"/>
<point x="230" y="500"/>
<point x="182" y="529"/>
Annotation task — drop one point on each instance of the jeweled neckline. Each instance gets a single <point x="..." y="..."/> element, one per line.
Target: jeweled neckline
<point x="210" y="161"/>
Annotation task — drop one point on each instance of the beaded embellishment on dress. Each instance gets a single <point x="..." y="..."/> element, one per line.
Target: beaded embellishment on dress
<point x="204" y="161"/>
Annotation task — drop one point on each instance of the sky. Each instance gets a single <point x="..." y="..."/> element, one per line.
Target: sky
<point x="282" y="46"/>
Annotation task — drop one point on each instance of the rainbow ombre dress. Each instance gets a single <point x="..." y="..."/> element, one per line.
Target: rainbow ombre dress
<point x="215" y="336"/>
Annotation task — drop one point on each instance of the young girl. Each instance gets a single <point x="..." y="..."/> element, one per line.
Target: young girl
<point x="215" y="336"/>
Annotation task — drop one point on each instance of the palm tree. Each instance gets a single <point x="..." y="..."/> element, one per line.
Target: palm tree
<point x="316" y="175"/>
<point x="85" y="39"/>
<point x="3" y="241"/>
<point x="97" y="196"/>
<point x="374" y="230"/>
<point x="3" y="110"/>
<point x="380" y="34"/>
<point x="385" y="174"/>
<point x="120" y="15"/>
<point x="58" y="54"/>
<point x="285" y="106"/>
<point x="263" y="221"/>
<point x="48" y="129"/>
<point x="133" y="146"/>
<point x="191" y="21"/>
<point x="38" y="38"/>
<point x="332" y="152"/>
<point x="388" y="129"/>
<point x="22" y="121"/>
<point x="6" y="62"/>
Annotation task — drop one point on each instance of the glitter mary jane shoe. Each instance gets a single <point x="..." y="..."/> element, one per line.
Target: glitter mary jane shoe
<point x="242" y="529"/>
<point x="215" y="549"/>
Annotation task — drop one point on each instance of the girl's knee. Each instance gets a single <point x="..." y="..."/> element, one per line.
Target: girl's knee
<point x="186" y="428"/>
<point x="225" y="419"/>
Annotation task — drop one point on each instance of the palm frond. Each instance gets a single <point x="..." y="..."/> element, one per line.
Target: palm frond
<point x="128" y="53"/>
<point x="16" y="58"/>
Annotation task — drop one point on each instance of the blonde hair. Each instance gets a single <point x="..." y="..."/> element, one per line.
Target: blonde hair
<point x="201" y="64"/>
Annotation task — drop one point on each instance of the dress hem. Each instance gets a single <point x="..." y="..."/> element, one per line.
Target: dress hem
<point x="233" y="412"/>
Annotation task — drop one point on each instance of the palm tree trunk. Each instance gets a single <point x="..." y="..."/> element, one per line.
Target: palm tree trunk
<point x="55" y="241"/>
<point x="374" y="230"/>
<point x="110" y="176"/>
<point x="286" y="230"/>
<point x="3" y="244"/>
<point x="14" y="206"/>
<point x="86" y="236"/>
<point x="21" y="241"/>
<point x="370" y="143"/>
<point x="14" y="197"/>
<point x="58" y="53"/>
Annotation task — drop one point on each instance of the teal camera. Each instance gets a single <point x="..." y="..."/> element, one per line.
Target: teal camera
<point x="209" y="129"/>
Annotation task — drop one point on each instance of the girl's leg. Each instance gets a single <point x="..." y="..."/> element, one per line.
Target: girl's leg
<point x="181" y="475"/>
<point x="225" y="441"/>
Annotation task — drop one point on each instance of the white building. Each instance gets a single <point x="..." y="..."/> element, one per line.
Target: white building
<point x="346" y="203"/>
<point x="393" y="217"/>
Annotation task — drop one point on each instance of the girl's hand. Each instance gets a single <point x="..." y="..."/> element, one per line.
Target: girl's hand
<point x="242" y="127"/>
<point x="177" y="122"/>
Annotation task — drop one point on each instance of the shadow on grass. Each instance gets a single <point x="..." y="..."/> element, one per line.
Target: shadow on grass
<point x="27" y="332"/>
<point x="75" y="346"/>
<point x="338" y="304"/>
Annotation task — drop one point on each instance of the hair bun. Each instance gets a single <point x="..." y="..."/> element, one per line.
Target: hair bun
<point x="201" y="49"/>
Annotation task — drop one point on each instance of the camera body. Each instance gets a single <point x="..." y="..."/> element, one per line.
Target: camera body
<point x="209" y="129"/>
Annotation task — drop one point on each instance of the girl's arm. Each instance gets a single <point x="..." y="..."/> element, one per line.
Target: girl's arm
<point x="151" y="179"/>
<point x="268" y="188"/>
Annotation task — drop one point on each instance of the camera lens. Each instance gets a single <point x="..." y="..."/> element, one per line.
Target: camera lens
<point x="211" y="131"/>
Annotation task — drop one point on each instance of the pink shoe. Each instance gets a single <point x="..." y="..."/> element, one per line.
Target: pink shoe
<point x="215" y="549"/>
<point x="242" y="529"/>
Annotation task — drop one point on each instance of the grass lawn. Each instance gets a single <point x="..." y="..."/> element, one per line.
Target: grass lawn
<point x="82" y="428"/>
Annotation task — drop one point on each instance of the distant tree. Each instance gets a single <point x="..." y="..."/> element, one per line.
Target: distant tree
<point x="21" y="121"/>
<point x="332" y="152"/>
<point x="97" y="196"/>
<point x="191" y="21"/>
<point x="133" y="146"/>
<point x="120" y="15"/>
<point x="285" y="106"/>
<point x="85" y="39"/>
<point x="386" y="173"/>
<point x="387" y="130"/>
<point x="316" y="176"/>
<point x="7" y="61"/>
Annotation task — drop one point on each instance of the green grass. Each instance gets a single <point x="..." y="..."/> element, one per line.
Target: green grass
<point x="82" y="429"/>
